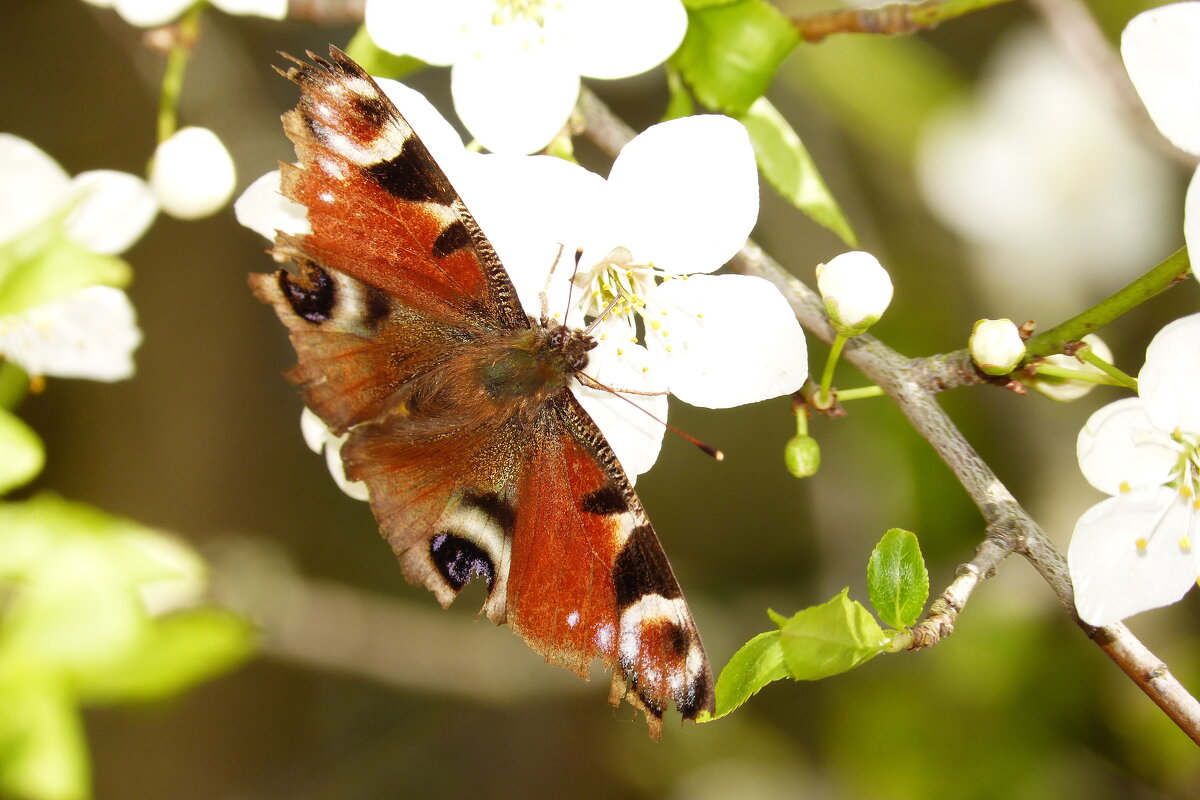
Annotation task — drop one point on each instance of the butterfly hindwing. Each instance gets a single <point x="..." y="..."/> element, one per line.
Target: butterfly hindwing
<point x="478" y="461"/>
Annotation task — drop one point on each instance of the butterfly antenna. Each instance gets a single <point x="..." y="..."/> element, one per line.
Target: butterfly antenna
<point x="571" y="284"/>
<point x="544" y="295"/>
<point x="705" y="448"/>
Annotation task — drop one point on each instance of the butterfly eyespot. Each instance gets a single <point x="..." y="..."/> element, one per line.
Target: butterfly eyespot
<point x="460" y="560"/>
<point x="312" y="294"/>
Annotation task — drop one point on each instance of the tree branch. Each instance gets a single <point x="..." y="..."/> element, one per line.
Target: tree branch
<point x="1010" y="528"/>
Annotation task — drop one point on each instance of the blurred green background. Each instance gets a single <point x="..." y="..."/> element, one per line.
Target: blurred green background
<point x="366" y="690"/>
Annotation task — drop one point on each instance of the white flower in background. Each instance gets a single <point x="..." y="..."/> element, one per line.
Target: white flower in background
<point x="996" y="346"/>
<point x="1056" y="197"/>
<point x="91" y="332"/>
<point x="517" y="63"/>
<point x="645" y="238"/>
<point x="151" y="13"/>
<point x="1161" y="48"/>
<point x="1138" y="549"/>
<point x="1067" y="389"/>
<point x="856" y="290"/>
<point x="192" y="174"/>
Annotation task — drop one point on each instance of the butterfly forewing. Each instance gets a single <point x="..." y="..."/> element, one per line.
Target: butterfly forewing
<point x="478" y="460"/>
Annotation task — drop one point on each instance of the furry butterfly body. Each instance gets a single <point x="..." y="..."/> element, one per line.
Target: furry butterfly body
<point x="478" y="460"/>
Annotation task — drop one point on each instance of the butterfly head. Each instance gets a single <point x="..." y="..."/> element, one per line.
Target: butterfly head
<point x="569" y="344"/>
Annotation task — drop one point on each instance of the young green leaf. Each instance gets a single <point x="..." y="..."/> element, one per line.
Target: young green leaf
<point x="177" y="652"/>
<point x="44" y="264"/>
<point x="833" y="637"/>
<point x="757" y="663"/>
<point x="680" y="102"/>
<point x="21" y="452"/>
<point x="786" y="164"/>
<point x="897" y="580"/>
<point x="41" y="737"/>
<point x="731" y="52"/>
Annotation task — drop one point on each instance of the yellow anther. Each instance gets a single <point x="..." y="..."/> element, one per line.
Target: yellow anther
<point x="655" y="324"/>
<point x="620" y="352"/>
<point x="645" y="369"/>
<point x="699" y="315"/>
<point x="1141" y="544"/>
<point x="1185" y="544"/>
<point x="668" y="348"/>
<point x="1125" y="487"/>
<point x="1186" y="492"/>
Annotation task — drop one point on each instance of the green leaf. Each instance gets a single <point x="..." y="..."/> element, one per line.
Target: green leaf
<point x="897" y="579"/>
<point x="379" y="62"/>
<point x="44" y="264"/>
<point x="176" y="653"/>
<point x="680" y="102"/>
<point x="831" y="638"/>
<point x="757" y="663"/>
<point x="44" y="753"/>
<point x="731" y="52"/>
<point x="788" y="167"/>
<point x="21" y="452"/>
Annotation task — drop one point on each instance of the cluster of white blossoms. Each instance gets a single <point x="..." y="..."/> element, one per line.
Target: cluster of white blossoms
<point x="516" y="64"/>
<point x="1138" y="549"/>
<point x="681" y="199"/>
<point x="89" y="332"/>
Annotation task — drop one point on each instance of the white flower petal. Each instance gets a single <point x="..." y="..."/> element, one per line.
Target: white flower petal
<point x="514" y="100"/>
<point x="438" y="135"/>
<point x="1191" y="220"/>
<point x="437" y="32"/>
<point x="150" y="13"/>
<point x="193" y="174"/>
<point x="1169" y="383"/>
<point x="534" y="210"/>
<point x="1120" y="448"/>
<point x="272" y="9"/>
<point x="1114" y="578"/>
<point x="733" y="340"/>
<point x="618" y="38"/>
<point x="32" y="185"/>
<point x="263" y="209"/>
<point x="90" y="333"/>
<point x="634" y="436"/>
<point x="1161" y="48"/>
<point x="114" y="209"/>
<point x="684" y="194"/>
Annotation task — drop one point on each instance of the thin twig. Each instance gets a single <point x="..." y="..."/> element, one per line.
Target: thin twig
<point x="889" y="20"/>
<point x="1009" y="525"/>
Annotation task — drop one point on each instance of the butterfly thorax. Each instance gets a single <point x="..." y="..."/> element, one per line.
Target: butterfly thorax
<point x="534" y="363"/>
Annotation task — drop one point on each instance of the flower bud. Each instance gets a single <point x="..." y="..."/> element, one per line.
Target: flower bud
<point x="802" y="456"/>
<point x="192" y="174"/>
<point x="856" y="289"/>
<point x="1066" y="389"/>
<point x="996" y="346"/>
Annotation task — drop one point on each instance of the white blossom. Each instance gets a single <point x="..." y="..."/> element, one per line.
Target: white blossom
<point x="996" y="346"/>
<point x="856" y="290"/>
<point x="192" y="174"/>
<point x="1053" y="192"/>
<point x="516" y="64"/>
<point x="1067" y="389"/>
<point x="1161" y="48"/>
<point x="1137" y="550"/>
<point x="91" y="332"/>
<point x="152" y="13"/>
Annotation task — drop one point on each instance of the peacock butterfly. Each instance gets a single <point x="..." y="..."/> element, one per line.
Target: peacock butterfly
<point x="478" y="460"/>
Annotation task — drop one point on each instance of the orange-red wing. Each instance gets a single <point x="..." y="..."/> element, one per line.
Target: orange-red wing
<point x="588" y="576"/>
<point x="380" y="208"/>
